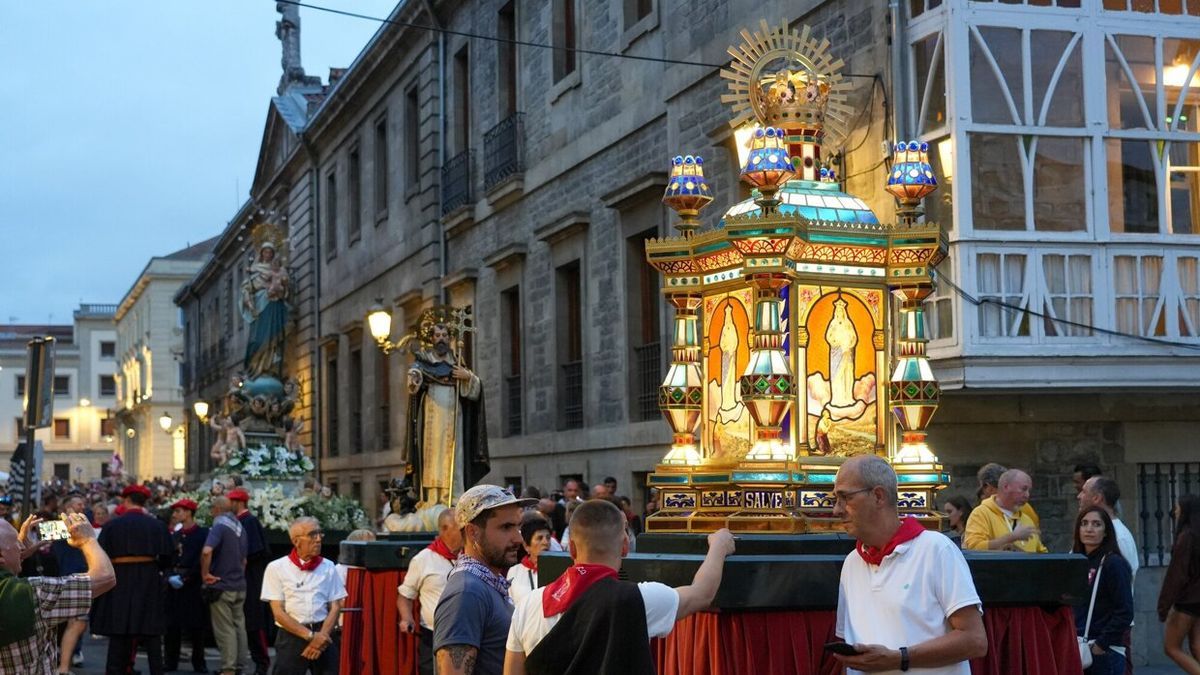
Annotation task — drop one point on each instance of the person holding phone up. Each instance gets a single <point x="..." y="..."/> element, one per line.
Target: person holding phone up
<point x="34" y="608"/>
<point x="906" y="600"/>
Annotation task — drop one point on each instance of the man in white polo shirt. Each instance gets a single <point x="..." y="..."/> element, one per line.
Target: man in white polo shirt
<point x="306" y="594"/>
<point x="906" y="600"/>
<point x="424" y="581"/>
<point x="587" y="622"/>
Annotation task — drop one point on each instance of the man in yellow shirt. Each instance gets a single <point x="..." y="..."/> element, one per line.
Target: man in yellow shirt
<point x="1001" y="523"/>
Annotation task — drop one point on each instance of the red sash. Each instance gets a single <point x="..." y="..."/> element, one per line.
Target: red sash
<point x="559" y="595"/>
<point x="309" y="566"/>
<point x="439" y="547"/>
<point x="909" y="529"/>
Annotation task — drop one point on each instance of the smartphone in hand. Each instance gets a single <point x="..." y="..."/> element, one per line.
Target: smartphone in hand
<point x="842" y="648"/>
<point x="53" y="530"/>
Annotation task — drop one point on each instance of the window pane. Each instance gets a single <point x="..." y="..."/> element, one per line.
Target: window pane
<point x="988" y="103"/>
<point x="1177" y="58"/>
<point x="931" y="75"/>
<point x="997" y="187"/>
<point x="1124" y="104"/>
<point x="1189" y="286"/>
<point x="938" y="206"/>
<point x="1066" y="100"/>
<point x="1132" y="189"/>
<point x="1125" y="288"/>
<point x="1059" y="194"/>
<point x="1002" y="280"/>
<point x="1184" y="200"/>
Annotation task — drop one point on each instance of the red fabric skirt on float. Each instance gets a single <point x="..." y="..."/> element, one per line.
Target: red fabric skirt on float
<point x="1021" y="640"/>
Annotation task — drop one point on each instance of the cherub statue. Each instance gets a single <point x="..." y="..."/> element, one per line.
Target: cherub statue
<point x="230" y="437"/>
<point x="291" y="437"/>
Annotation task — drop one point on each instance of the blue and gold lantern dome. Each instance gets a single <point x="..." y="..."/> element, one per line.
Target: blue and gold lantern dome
<point x="799" y="330"/>
<point x="687" y="190"/>
<point x="912" y="177"/>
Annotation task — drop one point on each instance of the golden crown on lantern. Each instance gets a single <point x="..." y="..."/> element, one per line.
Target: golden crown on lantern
<point x="786" y="78"/>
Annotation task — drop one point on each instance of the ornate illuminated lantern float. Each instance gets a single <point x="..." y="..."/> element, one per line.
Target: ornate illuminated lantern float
<point x="784" y="315"/>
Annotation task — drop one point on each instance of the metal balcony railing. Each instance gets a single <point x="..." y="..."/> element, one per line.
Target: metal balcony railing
<point x="512" y="399"/>
<point x="648" y="360"/>
<point x="504" y="151"/>
<point x="456" y="181"/>
<point x="572" y="395"/>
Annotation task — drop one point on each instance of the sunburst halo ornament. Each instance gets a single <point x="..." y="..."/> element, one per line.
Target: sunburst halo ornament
<point x="269" y="235"/>
<point x="786" y="78"/>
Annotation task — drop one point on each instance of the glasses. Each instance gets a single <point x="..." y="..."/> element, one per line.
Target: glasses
<point x="844" y="497"/>
<point x="315" y="534"/>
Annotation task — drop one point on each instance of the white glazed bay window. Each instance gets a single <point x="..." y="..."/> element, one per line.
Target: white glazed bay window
<point x="1067" y="137"/>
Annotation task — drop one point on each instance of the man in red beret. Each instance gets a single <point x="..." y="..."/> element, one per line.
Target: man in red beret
<point x="133" y="614"/>
<point x="257" y="557"/>
<point x="187" y="613"/>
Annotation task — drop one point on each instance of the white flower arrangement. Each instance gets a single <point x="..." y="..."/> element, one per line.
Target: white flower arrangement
<point x="276" y="511"/>
<point x="263" y="461"/>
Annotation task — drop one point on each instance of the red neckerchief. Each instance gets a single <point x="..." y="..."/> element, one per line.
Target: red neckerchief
<point x="562" y="592"/>
<point x="909" y="529"/>
<point x="133" y="509"/>
<point x="527" y="561"/>
<point x="243" y="515"/>
<point x="439" y="547"/>
<point x="309" y="566"/>
<point x="189" y="530"/>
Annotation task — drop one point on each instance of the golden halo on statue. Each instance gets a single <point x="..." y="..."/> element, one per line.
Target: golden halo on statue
<point x="270" y="235"/>
<point x="783" y="77"/>
<point x="451" y="317"/>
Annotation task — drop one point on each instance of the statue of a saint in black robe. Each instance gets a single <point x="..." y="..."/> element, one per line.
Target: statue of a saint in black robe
<point x="447" y="435"/>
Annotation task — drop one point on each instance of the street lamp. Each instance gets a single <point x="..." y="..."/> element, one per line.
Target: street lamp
<point x="379" y="320"/>
<point x="201" y="410"/>
<point x="164" y="421"/>
<point x="85" y="402"/>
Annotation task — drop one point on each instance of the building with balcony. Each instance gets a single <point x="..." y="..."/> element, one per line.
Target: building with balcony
<point x="80" y="441"/>
<point x="149" y="380"/>
<point x="523" y="182"/>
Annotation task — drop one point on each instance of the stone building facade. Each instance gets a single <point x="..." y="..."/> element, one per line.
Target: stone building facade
<point x="522" y="182"/>
<point x="150" y="348"/>
<point x="79" y="444"/>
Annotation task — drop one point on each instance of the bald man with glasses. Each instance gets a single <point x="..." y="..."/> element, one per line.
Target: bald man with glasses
<point x="306" y="595"/>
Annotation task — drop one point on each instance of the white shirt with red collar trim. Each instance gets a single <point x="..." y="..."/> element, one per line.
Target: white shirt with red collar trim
<point x="907" y="599"/>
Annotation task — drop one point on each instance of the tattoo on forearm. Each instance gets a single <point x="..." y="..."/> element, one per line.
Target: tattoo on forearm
<point x="463" y="657"/>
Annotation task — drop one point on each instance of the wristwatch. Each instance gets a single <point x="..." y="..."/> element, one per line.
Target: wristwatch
<point x="312" y="634"/>
<point x="904" y="659"/>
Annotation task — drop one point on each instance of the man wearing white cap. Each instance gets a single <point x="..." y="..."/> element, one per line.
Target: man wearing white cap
<point x="472" y="618"/>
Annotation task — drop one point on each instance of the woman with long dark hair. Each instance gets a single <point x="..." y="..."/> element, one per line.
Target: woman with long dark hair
<point x="957" y="510"/>
<point x="1179" y="599"/>
<point x="1109" y="579"/>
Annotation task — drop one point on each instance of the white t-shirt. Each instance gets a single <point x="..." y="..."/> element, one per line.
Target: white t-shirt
<point x="305" y="595"/>
<point x="1126" y="544"/>
<point x="522" y="580"/>
<point x="426" y="578"/>
<point x="907" y="599"/>
<point x="529" y="626"/>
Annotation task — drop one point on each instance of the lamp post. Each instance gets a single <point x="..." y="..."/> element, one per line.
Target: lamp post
<point x="201" y="409"/>
<point x="165" y="421"/>
<point x="379" y="320"/>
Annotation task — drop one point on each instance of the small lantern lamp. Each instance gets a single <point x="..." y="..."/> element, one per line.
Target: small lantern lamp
<point x="768" y="166"/>
<point x="687" y="191"/>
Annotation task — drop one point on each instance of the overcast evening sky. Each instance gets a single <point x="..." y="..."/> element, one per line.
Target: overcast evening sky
<point x="130" y="129"/>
